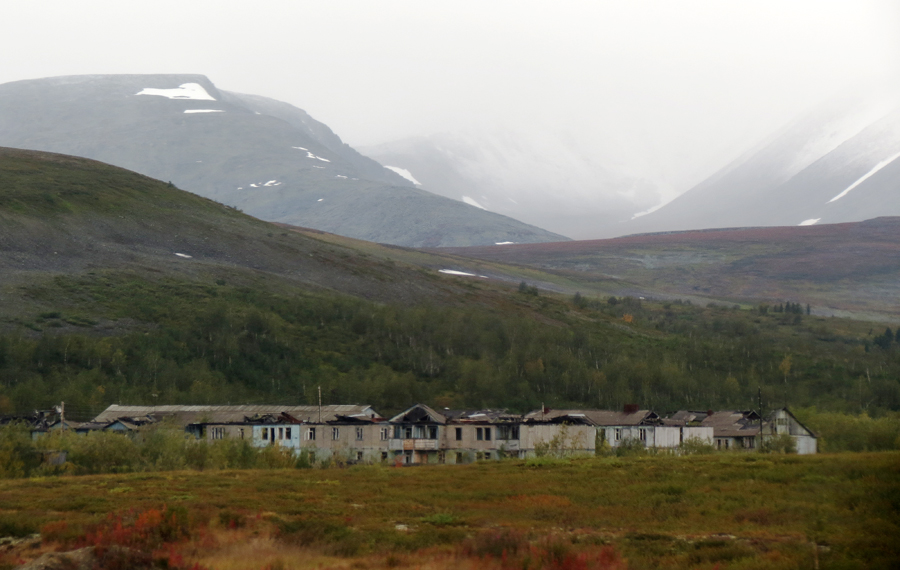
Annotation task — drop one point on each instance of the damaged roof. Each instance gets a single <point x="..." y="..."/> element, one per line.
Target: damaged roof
<point x="595" y="417"/>
<point x="185" y="415"/>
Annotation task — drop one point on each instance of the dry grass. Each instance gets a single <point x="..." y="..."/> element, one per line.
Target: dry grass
<point x="725" y="511"/>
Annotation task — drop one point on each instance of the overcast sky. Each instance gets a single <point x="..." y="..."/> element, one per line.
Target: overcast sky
<point x="686" y="84"/>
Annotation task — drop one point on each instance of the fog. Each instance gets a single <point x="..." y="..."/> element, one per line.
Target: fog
<point x="669" y="91"/>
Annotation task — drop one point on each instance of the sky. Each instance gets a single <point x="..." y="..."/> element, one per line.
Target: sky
<point x="679" y="88"/>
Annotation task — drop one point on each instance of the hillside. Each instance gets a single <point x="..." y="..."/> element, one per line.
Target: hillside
<point x="118" y="288"/>
<point x="837" y="164"/>
<point x="265" y="157"/>
<point x="850" y="268"/>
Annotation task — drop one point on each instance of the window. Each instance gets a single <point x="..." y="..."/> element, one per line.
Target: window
<point x="287" y="433"/>
<point x="459" y="457"/>
<point x="479" y="456"/>
<point x="265" y="434"/>
<point x="487" y="454"/>
<point x="458" y="434"/>
<point x="618" y="434"/>
<point x="385" y="434"/>
<point x="218" y="433"/>
<point x="441" y="457"/>
<point x="407" y="433"/>
<point x="359" y="455"/>
<point x="241" y="432"/>
<point x="487" y="434"/>
<point x="479" y="434"/>
<point x="359" y="434"/>
<point x="507" y="432"/>
<point x="419" y="432"/>
<point x="384" y="455"/>
<point x="311" y="434"/>
<point x="432" y="432"/>
<point x="642" y="433"/>
<point x="280" y="433"/>
<point x="407" y="457"/>
<point x="335" y="433"/>
<point x="398" y="432"/>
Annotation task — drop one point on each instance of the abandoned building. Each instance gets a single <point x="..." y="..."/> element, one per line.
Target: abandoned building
<point x="423" y="435"/>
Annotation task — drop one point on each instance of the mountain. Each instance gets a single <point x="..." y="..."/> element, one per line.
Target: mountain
<point x="839" y="163"/>
<point x="115" y="287"/>
<point x="540" y="179"/>
<point x="265" y="157"/>
<point x="839" y="269"/>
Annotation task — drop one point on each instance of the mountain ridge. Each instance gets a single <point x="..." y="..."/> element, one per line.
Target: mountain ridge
<point x="266" y="157"/>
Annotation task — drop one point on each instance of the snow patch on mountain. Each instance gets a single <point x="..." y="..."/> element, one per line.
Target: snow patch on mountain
<point x="405" y="174"/>
<point x="865" y="177"/>
<point x="505" y="243"/>
<point x="311" y="155"/>
<point x="460" y="273"/>
<point x="472" y="202"/>
<point x="300" y="148"/>
<point x="184" y="91"/>
<point x="189" y="111"/>
<point x="810" y="222"/>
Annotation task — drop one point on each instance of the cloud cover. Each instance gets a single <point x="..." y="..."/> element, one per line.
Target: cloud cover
<point x="665" y="90"/>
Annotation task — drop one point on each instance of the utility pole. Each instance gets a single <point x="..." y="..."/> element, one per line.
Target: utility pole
<point x="759" y="403"/>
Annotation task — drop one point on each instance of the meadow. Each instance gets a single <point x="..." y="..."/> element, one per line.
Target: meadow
<point x="711" y="511"/>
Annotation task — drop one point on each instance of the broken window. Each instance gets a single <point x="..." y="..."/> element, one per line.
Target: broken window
<point x="419" y="432"/>
<point x="359" y="455"/>
<point x="287" y="433"/>
<point x="618" y="434"/>
<point x="280" y="433"/>
<point x="642" y="433"/>
<point x="458" y="434"/>
<point x="432" y="432"/>
<point x="241" y="432"/>
<point x="459" y="457"/>
<point x="384" y="455"/>
<point x="385" y="434"/>
<point x="487" y="434"/>
<point x="335" y="433"/>
<point x="265" y="434"/>
<point x="359" y="434"/>
<point x="479" y="434"/>
<point x="311" y="434"/>
<point x="487" y="454"/>
<point x="441" y="457"/>
<point x="407" y="433"/>
<point x="398" y="432"/>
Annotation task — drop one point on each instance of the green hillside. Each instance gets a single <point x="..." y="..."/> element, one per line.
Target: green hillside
<point x="97" y="308"/>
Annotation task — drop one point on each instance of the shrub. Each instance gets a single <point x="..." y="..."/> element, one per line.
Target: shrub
<point x="783" y="443"/>
<point x="696" y="446"/>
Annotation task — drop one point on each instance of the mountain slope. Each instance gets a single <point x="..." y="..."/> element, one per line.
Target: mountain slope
<point x="837" y="268"/>
<point x="544" y="181"/>
<point x="265" y="157"/>
<point x="797" y="177"/>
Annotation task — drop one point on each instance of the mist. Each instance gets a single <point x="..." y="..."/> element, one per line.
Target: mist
<point x="657" y="91"/>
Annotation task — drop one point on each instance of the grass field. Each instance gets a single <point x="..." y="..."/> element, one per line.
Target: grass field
<point x="719" y="511"/>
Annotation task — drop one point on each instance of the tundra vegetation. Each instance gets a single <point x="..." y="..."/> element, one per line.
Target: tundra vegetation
<point x="216" y="344"/>
<point x="726" y="510"/>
